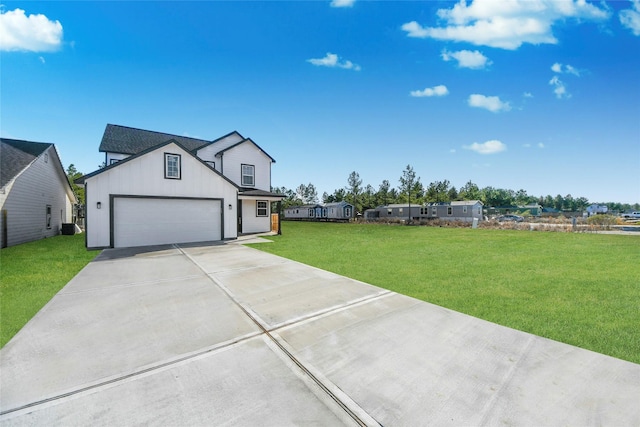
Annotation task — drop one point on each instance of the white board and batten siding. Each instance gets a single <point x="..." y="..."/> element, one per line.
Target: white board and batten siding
<point x="25" y="200"/>
<point x="248" y="154"/>
<point x="144" y="176"/>
<point x="208" y="153"/>
<point x="251" y="222"/>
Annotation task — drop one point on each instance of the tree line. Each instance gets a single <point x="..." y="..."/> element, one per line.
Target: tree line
<point x="411" y="190"/>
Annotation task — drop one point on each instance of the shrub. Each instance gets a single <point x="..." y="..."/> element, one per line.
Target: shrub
<point x="603" y="221"/>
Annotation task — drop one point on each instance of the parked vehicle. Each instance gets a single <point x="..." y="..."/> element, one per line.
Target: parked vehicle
<point x="631" y="215"/>
<point x="516" y="218"/>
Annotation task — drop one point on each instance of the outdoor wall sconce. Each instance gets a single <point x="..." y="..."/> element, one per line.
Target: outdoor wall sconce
<point x="230" y="207"/>
<point x="98" y="205"/>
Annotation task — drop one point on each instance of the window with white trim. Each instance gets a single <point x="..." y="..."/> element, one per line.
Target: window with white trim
<point x="248" y="175"/>
<point x="172" y="166"/>
<point x="262" y="208"/>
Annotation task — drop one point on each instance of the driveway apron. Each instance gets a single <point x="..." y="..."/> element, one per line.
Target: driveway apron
<point x="223" y="334"/>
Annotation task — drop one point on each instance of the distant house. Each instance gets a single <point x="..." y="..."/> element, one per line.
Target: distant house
<point x="597" y="209"/>
<point x="35" y="195"/>
<point x="305" y="212"/>
<point x="160" y="188"/>
<point x="339" y="211"/>
<point x="465" y="210"/>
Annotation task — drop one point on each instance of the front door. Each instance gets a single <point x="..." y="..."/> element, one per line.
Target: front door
<point x="239" y="216"/>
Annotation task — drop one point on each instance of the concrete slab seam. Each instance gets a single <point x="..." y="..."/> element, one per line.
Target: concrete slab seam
<point x="301" y="320"/>
<point x="338" y="396"/>
<point x="506" y="380"/>
<point x="112" y="381"/>
<point x="259" y="322"/>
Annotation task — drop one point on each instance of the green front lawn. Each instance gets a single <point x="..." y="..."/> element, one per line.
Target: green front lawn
<point x="32" y="273"/>
<point x="581" y="289"/>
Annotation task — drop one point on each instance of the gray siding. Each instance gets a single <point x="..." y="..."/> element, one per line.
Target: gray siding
<point x="26" y="200"/>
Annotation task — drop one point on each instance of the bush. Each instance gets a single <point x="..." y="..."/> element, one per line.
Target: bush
<point x="603" y="221"/>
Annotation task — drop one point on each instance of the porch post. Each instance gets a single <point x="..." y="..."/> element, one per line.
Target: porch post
<point x="279" y="217"/>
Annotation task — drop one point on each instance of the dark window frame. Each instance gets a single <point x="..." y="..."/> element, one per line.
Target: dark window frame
<point x="265" y="208"/>
<point x="48" y="217"/>
<point x="252" y="175"/>
<point x="167" y="156"/>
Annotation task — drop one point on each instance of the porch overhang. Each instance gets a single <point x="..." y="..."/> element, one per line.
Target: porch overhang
<point x="260" y="194"/>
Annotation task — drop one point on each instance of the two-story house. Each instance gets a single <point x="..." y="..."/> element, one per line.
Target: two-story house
<point x="158" y="188"/>
<point x="35" y="195"/>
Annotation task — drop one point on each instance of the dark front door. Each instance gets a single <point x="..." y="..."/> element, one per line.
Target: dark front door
<point x="239" y="216"/>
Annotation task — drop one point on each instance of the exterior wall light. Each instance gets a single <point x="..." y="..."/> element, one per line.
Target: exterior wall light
<point x="230" y="207"/>
<point x="98" y="205"/>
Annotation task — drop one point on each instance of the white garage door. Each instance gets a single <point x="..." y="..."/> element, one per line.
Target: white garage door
<point x="157" y="221"/>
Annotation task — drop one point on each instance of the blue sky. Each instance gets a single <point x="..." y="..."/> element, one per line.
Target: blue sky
<point x="536" y="95"/>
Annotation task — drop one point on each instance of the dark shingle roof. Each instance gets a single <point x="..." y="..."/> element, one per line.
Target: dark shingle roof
<point x="126" y="140"/>
<point x="15" y="155"/>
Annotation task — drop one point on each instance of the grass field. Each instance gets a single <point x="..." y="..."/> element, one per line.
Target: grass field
<point x="581" y="289"/>
<point x="32" y="273"/>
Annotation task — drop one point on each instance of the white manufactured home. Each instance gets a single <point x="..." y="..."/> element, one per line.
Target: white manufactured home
<point x="35" y="195"/>
<point x="159" y="188"/>
<point x="339" y="211"/>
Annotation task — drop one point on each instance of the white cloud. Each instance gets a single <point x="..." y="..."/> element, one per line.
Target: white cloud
<point x="527" y="95"/>
<point x="467" y="59"/>
<point x="489" y="147"/>
<point x="568" y="69"/>
<point x="540" y="145"/>
<point x="331" y="60"/>
<point x="415" y="30"/>
<point x="35" y="33"/>
<point x="41" y="58"/>
<point x="491" y="103"/>
<point x="342" y="3"/>
<point x="526" y="145"/>
<point x="440" y="90"/>
<point x="559" y="88"/>
<point x="506" y="24"/>
<point x="630" y="18"/>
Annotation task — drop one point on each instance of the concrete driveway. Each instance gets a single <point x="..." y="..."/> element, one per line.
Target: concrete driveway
<point x="228" y="335"/>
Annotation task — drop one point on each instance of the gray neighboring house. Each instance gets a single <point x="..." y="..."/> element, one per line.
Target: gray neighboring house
<point x="466" y="210"/>
<point x="35" y="195"/>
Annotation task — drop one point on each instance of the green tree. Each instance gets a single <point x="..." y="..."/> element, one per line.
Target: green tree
<point x="408" y="186"/>
<point x="72" y="175"/>
<point x="368" y="198"/>
<point x="382" y="195"/>
<point x="470" y="191"/>
<point x="307" y="194"/>
<point x="355" y="188"/>
<point x="438" y="192"/>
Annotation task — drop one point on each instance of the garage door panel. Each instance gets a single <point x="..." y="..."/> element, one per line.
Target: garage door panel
<point x="156" y="221"/>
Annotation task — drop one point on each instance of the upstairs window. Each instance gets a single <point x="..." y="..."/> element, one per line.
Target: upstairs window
<point x="172" y="166"/>
<point x="248" y="176"/>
